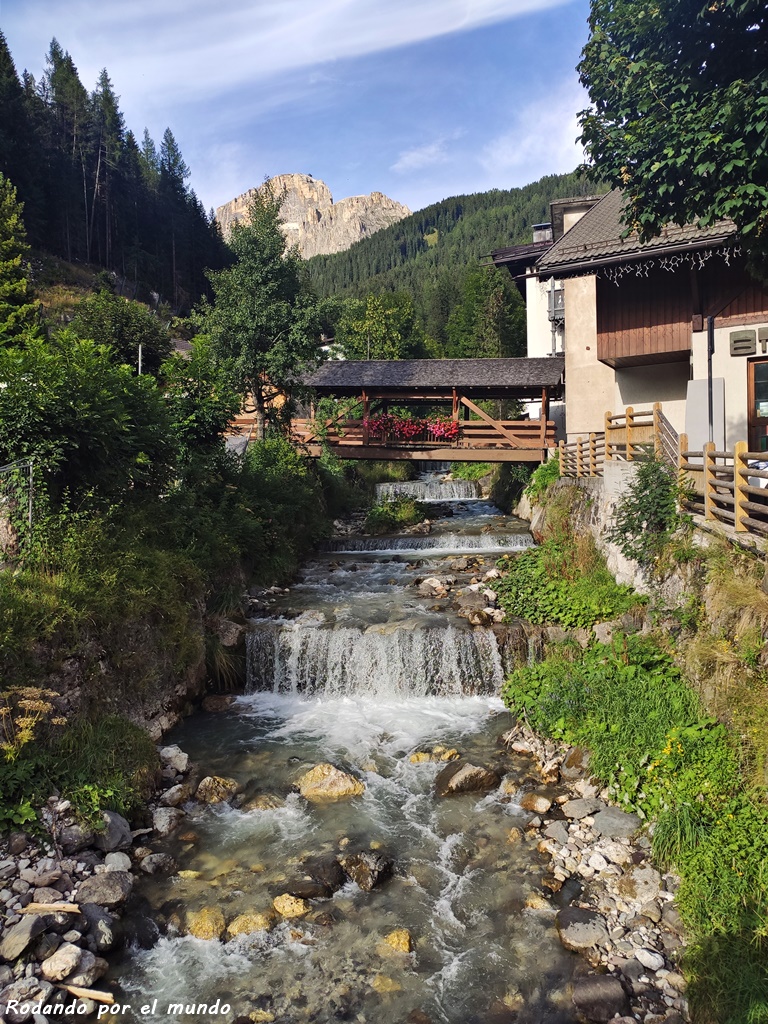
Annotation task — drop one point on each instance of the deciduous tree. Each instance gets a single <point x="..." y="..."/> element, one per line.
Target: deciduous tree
<point x="679" y="111"/>
<point x="264" y="316"/>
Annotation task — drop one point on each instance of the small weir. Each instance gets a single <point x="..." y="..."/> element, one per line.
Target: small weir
<point x="357" y="666"/>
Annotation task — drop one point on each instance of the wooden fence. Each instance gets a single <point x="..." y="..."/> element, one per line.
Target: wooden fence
<point x="730" y="487"/>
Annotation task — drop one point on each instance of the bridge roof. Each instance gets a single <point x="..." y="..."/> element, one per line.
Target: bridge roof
<point x="514" y="378"/>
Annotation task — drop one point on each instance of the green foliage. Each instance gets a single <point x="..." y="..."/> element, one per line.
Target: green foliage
<point x="647" y="513"/>
<point x="679" y="112"/>
<point x="108" y="319"/>
<point x="264" y="318"/>
<point x="18" y="314"/>
<point x="390" y="516"/>
<point x="201" y="400"/>
<point x="430" y="254"/>
<point x="560" y="582"/>
<point x="470" y="470"/>
<point x="489" y="321"/>
<point x="92" y="425"/>
<point x="384" y="327"/>
<point x="542" y="479"/>
<point x="664" y="758"/>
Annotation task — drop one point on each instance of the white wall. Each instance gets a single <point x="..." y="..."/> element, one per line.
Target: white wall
<point x="539" y="331"/>
<point x="589" y="385"/>
<point x="733" y="369"/>
<point x="641" y="386"/>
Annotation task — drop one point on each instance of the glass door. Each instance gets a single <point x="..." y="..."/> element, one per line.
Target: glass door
<point x="757" y="385"/>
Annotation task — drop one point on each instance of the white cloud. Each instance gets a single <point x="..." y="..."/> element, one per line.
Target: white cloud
<point x="542" y="138"/>
<point x="427" y="155"/>
<point x="191" y="49"/>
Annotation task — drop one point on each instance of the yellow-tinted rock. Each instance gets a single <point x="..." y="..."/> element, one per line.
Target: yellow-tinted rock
<point x="324" y="782"/>
<point x="257" y="869"/>
<point x="263" y="802"/>
<point x="261" y="1017"/>
<point x="449" y="755"/>
<point x="382" y="984"/>
<point x="188" y="837"/>
<point x="290" y="906"/>
<point x="420" y="757"/>
<point x="399" y="940"/>
<point x="535" y="901"/>
<point x="216" y="790"/>
<point x="514" y="836"/>
<point x="190" y="874"/>
<point x="207" y="923"/>
<point x="246" y="924"/>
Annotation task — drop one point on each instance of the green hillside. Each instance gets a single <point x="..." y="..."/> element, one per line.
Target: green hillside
<point x="448" y="235"/>
<point x="432" y="256"/>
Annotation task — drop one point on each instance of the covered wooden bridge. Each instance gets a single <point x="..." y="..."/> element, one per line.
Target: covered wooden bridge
<point x="454" y="387"/>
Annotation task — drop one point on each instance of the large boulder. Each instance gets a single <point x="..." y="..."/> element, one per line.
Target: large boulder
<point x="207" y="923"/>
<point x="640" y="883"/>
<point x="104" y="932"/>
<point x="166" y="820"/>
<point x="247" y="924"/>
<point x="582" y="807"/>
<point x="325" y="783"/>
<point x="63" y="962"/>
<point x="580" y="929"/>
<point x="368" y="868"/>
<point x="175" y="757"/>
<point x="111" y="889"/>
<point x="116" y="834"/>
<point x="74" y="838"/>
<point x="325" y="870"/>
<point x="216" y="790"/>
<point x="19" y="936"/>
<point x="600" y="997"/>
<point x="615" y="823"/>
<point x="23" y="993"/>
<point x="462" y="777"/>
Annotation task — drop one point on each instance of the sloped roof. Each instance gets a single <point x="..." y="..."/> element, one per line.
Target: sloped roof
<point x="596" y="239"/>
<point x="340" y="376"/>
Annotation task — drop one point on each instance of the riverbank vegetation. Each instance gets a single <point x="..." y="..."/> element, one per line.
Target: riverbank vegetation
<point x="675" y="723"/>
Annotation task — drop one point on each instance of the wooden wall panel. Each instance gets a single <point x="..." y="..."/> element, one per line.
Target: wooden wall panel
<point x="644" y="318"/>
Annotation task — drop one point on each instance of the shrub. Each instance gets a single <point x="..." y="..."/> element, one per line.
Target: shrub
<point x="647" y="515"/>
<point x="542" y="478"/>
<point x="389" y="516"/>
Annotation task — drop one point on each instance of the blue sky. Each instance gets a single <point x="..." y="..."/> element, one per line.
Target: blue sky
<point x="420" y="99"/>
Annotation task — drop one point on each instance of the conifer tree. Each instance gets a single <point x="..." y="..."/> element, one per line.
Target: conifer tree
<point x="17" y="313"/>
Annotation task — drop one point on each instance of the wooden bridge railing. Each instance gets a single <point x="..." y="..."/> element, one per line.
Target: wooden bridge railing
<point x="507" y="434"/>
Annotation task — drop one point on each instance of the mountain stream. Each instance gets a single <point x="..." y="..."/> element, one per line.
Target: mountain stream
<point x="354" y="667"/>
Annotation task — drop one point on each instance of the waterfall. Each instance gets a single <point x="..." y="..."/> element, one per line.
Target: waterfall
<point x="430" y="490"/>
<point x="433" y="542"/>
<point x="381" y="661"/>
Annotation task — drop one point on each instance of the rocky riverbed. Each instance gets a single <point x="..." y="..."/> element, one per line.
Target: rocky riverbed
<point x="366" y="836"/>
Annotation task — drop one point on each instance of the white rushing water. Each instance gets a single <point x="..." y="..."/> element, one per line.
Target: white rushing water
<point x="358" y="669"/>
<point x="432" y="489"/>
<point x="381" y="661"/>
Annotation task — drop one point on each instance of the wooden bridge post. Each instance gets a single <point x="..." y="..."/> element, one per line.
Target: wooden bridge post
<point x="740" y="482"/>
<point x="682" y="459"/>
<point x="366" y="412"/>
<point x="579" y="457"/>
<point x="709" y="480"/>
<point x="561" y="452"/>
<point x="592" y="455"/>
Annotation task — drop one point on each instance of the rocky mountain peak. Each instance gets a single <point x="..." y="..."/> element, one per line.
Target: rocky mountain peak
<point x="312" y="220"/>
